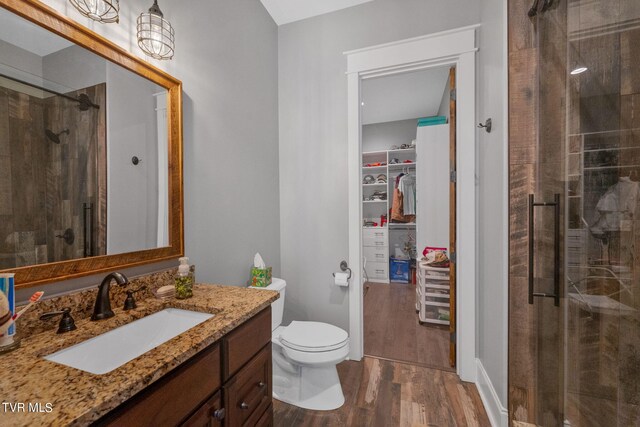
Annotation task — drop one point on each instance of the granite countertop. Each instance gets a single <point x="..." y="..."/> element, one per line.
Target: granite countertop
<point x="78" y="398"/>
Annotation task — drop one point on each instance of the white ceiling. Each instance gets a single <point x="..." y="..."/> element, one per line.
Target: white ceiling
<point x="285" y="11"/>
<point x="28" y="36"/>
<point x="403" y="96"/>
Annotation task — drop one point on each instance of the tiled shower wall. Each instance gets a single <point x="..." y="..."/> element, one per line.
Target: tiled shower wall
<point x="43" y="185"/>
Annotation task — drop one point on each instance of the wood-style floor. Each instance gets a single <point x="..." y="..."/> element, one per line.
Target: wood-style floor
<point x="392" y="330"/>
<point x="388" y="394"/>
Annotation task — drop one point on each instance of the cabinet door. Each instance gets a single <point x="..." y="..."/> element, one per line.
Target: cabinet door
<point x="248" y="394"/>
<point x="171" y="399"/>
<point x="210" y="414"/>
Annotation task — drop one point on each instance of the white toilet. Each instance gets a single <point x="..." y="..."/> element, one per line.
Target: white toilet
<point x="305" y="355"/>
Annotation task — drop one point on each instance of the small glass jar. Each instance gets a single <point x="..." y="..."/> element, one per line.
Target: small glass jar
<point x="184" y="285"/>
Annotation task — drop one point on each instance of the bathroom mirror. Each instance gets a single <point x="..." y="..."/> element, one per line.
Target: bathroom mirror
<point x="90" y="151"/>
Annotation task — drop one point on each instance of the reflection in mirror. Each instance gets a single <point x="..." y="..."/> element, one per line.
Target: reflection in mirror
<point x="71" y="124"/>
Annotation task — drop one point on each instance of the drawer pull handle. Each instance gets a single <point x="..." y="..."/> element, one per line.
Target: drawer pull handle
<point x="262" y="384"/>
<point x="244" y="405"/>
<point x="219" y="414"/>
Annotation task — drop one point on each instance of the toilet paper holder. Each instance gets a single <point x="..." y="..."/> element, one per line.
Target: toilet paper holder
<point x="344" y="267"/>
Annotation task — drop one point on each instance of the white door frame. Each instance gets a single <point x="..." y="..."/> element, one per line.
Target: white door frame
<point x="455" y="47"/>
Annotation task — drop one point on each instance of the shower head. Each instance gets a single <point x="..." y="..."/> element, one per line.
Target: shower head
<point x="55" y="137"/>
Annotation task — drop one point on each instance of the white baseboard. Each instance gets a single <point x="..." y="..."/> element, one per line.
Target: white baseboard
<point x="498" y="414"/>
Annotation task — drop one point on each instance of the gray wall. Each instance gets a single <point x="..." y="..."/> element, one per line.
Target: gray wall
<point x="492" y="201"/>
<point x="226" y="57"/>
<point x="74" y="68"/>
<point x="313" y="137"/>
<point x="132" y="191"/>
<point x="13" y="58"/>
<point x="381" y="136"/>
<point x="444" y="109"/>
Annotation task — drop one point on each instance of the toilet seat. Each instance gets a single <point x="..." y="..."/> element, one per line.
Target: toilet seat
<point x="313" y="337"/>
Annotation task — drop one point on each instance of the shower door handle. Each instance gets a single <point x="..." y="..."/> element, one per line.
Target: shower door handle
<point x="87" y="225"/>
<point x="556" y="248"/>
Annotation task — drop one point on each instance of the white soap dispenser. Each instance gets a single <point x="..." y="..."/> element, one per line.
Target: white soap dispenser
<point x="184" y="279"/>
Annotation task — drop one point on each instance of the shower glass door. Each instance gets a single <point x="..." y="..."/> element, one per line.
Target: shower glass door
<point x="584" y="219"/>
<point x="602" y="257"/>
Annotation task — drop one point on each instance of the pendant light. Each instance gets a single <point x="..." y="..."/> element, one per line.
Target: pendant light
<point x="156" y="37"/>
<point x="104" y="11"/>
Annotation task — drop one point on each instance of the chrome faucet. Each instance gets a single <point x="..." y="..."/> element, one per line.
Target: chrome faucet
<point x="102" y="309"/>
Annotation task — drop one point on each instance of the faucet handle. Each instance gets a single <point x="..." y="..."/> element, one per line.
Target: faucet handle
<point x="67" y="324"/>
<point x="129" y="302"/>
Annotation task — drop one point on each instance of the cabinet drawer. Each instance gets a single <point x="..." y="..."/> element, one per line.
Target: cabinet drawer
<point x="373" y="254"/>
<point x="375" y="237"/>
<point x="171" y="399"/>
<point x="244" y="342"/>
<point x="210" y="414"/>
<point x="266" y="420"/>
<point x="379" y="233"/>
<point x="248" y="394"/>
<point x="378" y="270"/>
<point x="375" y="242"/>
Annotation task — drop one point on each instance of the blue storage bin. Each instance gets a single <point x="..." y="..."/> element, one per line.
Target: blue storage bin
<point x="399" y="270"/>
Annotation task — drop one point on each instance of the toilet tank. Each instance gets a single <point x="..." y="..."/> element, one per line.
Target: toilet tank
<point x="277" y="307"/>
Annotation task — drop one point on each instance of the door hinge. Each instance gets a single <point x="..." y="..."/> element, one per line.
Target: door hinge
<point x="453" y="257"/>
<point x="452" y="95"/>
<point x="453" y="176"/>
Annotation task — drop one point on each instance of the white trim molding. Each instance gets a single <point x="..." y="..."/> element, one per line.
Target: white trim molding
<point x="449" y="48"/>
<point x="498" y="414"/>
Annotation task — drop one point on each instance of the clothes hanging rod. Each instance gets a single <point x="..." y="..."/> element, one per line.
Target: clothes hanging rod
<point x="79" y="100"/>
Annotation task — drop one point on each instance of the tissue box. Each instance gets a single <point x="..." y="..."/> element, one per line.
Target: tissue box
<point x="260" y="277"/>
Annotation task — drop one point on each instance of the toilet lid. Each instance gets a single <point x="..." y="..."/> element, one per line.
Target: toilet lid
<point x="313" y="336"/>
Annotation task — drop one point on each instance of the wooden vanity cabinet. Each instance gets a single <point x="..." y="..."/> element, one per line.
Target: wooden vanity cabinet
<point x="248" y="394"/>
<point x="210" y="414"/>
<point x="229" y="384"/>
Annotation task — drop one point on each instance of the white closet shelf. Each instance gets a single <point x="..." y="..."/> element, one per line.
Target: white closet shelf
<point x="379" y="184"/>
<point x="403" y="150"/>
<point x="400" y="224"/>
<point x="399" y="166"/>
<point x="374" y="167"/>
<point x="374" y="201"/>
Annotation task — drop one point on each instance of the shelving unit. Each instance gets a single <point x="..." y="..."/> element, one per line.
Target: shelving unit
<point x="433" y="294"/>
<point x="376" y="240"/>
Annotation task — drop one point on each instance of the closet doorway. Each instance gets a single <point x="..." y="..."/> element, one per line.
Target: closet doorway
<point x="408" y="216"/>
<point x="452" y="48"/>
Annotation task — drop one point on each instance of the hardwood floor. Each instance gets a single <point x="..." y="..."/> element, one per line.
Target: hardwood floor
<point x="386" y="394"/>
<point x="392" y="330"/>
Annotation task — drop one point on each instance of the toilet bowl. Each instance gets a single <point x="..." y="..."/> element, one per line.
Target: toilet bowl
<point x="305" y="355"/>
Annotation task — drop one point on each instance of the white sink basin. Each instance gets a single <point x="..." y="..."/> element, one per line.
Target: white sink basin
<point x="113" y="349"/>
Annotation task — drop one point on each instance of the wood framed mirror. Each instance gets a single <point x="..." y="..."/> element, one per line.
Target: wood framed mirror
<point x="84" y="187"/>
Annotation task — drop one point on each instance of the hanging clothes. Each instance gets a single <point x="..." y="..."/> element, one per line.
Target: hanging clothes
<point x="396" y="207"/>
<point x="407" y="187"/>
<point x="403" y="206"/>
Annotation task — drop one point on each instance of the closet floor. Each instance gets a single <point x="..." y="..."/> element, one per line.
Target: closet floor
<point x="392" y="330"/>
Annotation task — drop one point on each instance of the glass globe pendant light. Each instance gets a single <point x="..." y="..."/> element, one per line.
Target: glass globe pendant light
<point x="156" y="37"/>
<point x="104" y="11"/>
